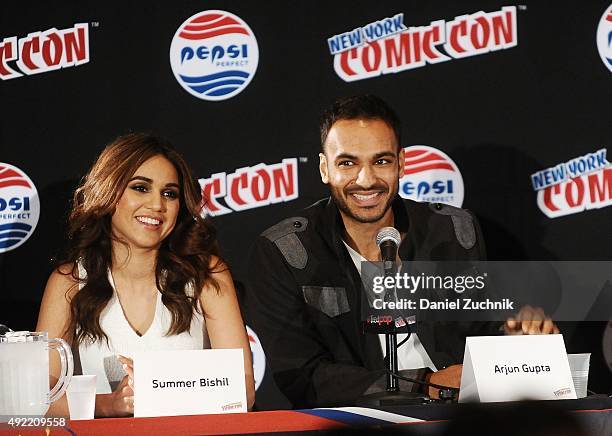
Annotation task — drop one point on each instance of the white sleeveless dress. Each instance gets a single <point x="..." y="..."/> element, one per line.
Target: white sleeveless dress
<point x="101" y="359"/>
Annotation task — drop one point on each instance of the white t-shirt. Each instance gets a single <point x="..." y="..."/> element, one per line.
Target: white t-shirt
<point x="411" y="354"/>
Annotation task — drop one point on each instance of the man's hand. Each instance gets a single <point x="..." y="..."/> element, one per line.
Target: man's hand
<point x="530" y="321"/>
<point x="450" y="377"/>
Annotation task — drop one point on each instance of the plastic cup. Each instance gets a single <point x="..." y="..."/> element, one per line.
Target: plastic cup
<point x="81" y="394"/>
<point x="579" y="367"/>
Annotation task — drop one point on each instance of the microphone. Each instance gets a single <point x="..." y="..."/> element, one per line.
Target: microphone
<point x="388" y="240"/>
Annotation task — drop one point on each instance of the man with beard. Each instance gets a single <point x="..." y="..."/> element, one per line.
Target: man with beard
<point x="305" y="293"/>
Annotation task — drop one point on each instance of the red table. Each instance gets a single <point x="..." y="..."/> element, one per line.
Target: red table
<point x="596" y="415"/>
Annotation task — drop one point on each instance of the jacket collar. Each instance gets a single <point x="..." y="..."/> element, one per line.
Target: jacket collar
<point x="331" y="230"/>
<point x="333" y="226"/>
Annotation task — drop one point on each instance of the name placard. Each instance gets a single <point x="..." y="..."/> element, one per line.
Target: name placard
<point x="512" y="368"/>
<point x="190" y="382"/>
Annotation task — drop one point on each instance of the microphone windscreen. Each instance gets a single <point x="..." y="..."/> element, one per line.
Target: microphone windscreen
<point x="388" y="234"/>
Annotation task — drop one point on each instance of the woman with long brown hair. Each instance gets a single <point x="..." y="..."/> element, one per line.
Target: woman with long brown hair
<point x="142" y="271"/>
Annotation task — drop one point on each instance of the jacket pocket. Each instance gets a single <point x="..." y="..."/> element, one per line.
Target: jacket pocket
<point x="331" y="301"/>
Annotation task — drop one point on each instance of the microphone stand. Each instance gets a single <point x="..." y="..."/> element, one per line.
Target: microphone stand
<point x="391" y="339"/>
<point x="392" y="396"/>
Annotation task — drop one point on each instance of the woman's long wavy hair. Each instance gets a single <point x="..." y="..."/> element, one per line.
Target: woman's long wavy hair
<point x="184" y="257"/>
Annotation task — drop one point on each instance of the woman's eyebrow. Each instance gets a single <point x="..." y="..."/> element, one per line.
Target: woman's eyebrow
<point x="144" y="179"/>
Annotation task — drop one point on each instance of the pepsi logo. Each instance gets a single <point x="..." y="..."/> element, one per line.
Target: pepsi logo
<point x="259" y="357"/>
<point x="214" y="55"/>
<point x="430" y="175"/>
<point x="604" y="38"/>
<point x="19" y="207"/>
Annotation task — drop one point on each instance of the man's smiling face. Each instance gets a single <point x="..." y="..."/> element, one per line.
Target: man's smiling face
<point x="362" y="163"/>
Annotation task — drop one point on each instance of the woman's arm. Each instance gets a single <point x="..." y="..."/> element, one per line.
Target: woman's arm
<point x="54" y="318"/>
<point x="224" y="322"/>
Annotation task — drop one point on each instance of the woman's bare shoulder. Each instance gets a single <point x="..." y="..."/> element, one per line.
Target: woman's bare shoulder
<point x="219" y="271"/>
<point x="63" y="280"/>
<point x="54" y="315"/>
<point x="220" y="282"/>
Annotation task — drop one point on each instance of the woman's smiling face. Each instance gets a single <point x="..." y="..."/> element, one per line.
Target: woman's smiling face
<point x="147" y="211"/>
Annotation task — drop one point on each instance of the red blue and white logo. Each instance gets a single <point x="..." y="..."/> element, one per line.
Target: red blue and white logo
<point x="430" y="175"/>
<point x="388" y="46"/>
<point x="582" y="183"/>
<point x="19" y="207"/>
<point x="214" y="55"/>
<point x="250" y="187"/>
<point x="604" y="38"/>
<point x="259" y="357"/>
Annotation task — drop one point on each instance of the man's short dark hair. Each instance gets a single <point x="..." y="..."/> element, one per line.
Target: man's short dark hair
<point x="369" y="107"/>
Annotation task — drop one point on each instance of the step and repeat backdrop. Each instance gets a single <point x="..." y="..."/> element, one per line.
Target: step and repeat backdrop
<point x="506" y="111"/>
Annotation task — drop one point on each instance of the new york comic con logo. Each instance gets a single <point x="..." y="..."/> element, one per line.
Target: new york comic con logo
<point x="579" y="184"/>
<point x="250" y="187"/>
<point x="214" y="55"/>
<point x="19" y="207"/>
<point x="430" y="175"/>
<point x="40" y="52"/>
<point x="604" y="38"/>
<point x="387" y="46"/>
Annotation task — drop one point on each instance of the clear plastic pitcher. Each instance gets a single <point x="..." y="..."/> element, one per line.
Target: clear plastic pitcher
<point x="24" y="372"/>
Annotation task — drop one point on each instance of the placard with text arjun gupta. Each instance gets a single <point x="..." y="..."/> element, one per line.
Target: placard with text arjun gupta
<point x="514" y="368"/>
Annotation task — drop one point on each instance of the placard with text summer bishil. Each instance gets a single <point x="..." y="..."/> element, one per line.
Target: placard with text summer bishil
<point x="190" y="382"/>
